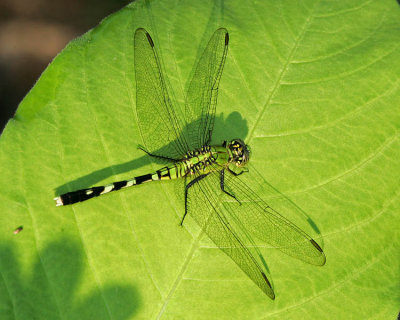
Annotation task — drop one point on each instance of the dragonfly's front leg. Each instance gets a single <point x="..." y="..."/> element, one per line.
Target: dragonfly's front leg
<point x="190" y="184"/>
<point x="237" y="174"/>
<point x="222" y="183"/>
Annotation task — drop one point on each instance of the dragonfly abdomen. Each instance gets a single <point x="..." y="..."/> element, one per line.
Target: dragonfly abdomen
<point x="193" y="162"/>
<point x="86" y="194"/>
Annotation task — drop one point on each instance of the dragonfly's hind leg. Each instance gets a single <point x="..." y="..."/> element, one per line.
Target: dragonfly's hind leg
<point x="190" y="184"/>
<point x="155" y="155"/>
<point x="222" y="184"/>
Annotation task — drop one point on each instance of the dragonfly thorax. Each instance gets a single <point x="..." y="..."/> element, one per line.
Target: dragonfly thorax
<point x="199" y="160"/>
<point x="239" y="152"/>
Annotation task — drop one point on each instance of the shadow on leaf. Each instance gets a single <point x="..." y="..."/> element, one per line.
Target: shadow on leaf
<point x="52" y="289"/>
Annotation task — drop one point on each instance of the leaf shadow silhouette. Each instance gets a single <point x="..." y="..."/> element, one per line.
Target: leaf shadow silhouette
<point x="51" y="290"/>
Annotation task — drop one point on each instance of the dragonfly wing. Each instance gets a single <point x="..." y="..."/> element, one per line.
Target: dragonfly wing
<point x="266" y="224"/>
<point x="204" y="206"/>
<point x="201" y="98"/>
<point x="158" y="122"/>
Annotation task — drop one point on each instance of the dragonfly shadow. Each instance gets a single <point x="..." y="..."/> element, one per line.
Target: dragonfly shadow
<point x="99" y="175"/>
<point x="233" y="126"/>
<point x="57" y="273"/>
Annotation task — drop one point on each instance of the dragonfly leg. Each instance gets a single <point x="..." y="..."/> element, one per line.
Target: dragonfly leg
<point x="237" y="174"/>
<point x="191" y="183"/>
<point x="222" y="184"/>
<point x="155" y="155"/>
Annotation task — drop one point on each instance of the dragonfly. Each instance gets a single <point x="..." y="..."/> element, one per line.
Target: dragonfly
<point x="228" y="211"/>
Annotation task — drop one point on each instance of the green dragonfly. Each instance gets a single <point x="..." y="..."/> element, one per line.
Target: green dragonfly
<point x="224" y="206"/>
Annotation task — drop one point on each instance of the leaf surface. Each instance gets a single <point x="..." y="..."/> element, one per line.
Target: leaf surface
<point x="312" y="86"/>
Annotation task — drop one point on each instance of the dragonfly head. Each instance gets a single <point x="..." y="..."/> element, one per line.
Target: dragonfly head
<point x="239" y="152"/>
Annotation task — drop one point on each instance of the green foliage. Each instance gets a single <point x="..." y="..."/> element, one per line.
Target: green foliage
<point x="313" y="87"/>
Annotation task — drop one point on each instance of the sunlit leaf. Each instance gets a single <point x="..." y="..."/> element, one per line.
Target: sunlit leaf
<point x="312" y="86"/>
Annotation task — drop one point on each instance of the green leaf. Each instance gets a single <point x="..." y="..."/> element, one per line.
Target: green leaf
<point x="313" y="87"/>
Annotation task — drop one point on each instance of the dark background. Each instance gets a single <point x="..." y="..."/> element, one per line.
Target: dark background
<point x="32" y="32"/>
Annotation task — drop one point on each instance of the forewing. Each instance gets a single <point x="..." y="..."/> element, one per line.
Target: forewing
<point x="159" y="126"/>
<point x="266" y="224"/>
<point x="205" y="208"/>
<point x="201" y="98"/>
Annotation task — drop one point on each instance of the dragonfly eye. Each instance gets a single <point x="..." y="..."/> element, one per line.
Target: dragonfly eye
<point x="239" y="152"/>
